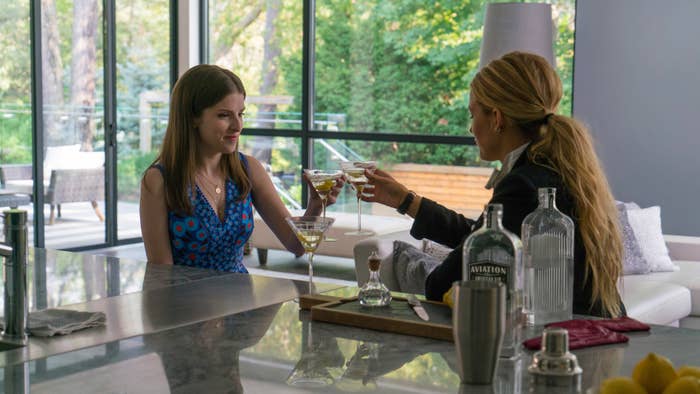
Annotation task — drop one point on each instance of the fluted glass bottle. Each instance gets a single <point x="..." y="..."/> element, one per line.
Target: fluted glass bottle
<point x="548" y="250"/>
<point x="374" y="292"/>
<point x="494" y="253"/>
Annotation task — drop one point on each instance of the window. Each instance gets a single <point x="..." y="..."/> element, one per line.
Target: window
<point x="75" y="63"/>
<point x="390" y="83"/>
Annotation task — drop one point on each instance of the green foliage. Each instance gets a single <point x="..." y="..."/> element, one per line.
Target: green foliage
<point x="405" y="67"/>
<point x="400" y="66"/>
<point x="129" y="172"/>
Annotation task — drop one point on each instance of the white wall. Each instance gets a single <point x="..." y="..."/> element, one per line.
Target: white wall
<point x="637" y="85"/>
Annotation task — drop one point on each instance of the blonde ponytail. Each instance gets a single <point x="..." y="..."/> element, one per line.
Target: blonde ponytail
<point x="527" y="91"/>
<point x="566" y="146"/>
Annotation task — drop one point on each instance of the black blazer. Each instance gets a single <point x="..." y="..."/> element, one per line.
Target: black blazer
<point x="517" y="191"/>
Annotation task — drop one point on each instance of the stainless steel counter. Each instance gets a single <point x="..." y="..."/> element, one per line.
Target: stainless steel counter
<point x="277" y="349"/>
<point x="137" y="298"/>
<point x="236" y="333"/>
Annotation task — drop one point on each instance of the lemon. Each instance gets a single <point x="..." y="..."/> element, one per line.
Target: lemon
<point x="449" y="298"/>
<point x="654" y="373"/>
<point x="621" y="385"/>
<point x="687" y="370"/>
<point x="684" y="385"/>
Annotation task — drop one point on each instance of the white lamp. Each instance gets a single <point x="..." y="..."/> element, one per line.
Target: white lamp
<point x="525" y="27"/>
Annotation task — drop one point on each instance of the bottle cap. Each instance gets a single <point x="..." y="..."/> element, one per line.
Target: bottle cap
<point x="555" y="359"/>
<point x="373" y="261"/>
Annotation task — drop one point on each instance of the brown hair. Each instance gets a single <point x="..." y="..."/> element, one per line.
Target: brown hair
<point x="527" y="90"/>
<point x="198" y="88"/>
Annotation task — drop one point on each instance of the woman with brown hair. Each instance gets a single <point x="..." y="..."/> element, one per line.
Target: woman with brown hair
<point x="197" y="197"/>
<point x="513" y="104"/>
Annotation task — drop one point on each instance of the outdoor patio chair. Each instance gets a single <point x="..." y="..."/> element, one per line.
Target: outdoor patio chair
<point x="70" y="176"/>
<point x="75" y="185"/>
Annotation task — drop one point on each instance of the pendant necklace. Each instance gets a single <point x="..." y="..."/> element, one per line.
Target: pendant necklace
<point x="217" y="188"/>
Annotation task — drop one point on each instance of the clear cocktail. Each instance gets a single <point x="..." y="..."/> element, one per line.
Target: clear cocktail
<point x="355" y="174"/>
<point x="309" y="230"/>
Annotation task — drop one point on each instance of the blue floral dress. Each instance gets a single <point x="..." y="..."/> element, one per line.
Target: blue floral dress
<point x="203" y="240"/>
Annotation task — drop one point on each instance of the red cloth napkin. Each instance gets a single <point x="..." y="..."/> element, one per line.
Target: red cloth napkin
<point x="586" y="333"/>
<point x="623" y="324"/>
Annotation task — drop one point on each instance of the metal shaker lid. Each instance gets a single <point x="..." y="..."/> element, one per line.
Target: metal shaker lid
<point x="554" y="358"/>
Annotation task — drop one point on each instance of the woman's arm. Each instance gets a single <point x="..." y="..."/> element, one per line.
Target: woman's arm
<point x="270" y="207"/>
<point x="154" y="218"/>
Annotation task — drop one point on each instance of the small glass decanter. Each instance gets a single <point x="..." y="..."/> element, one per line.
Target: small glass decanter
<point x="374" y="293"/>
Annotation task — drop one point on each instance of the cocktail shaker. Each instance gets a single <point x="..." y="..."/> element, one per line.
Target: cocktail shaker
<point x="478" y="321"/>
<point x="555" y="370"/>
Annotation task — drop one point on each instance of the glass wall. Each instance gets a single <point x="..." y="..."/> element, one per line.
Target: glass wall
<point x="390" y="83"/>
<point x="73" y="139"/>
<point x="15" y="100"/>
<point x="143" y="91"/>
<point x="73" y="86"/>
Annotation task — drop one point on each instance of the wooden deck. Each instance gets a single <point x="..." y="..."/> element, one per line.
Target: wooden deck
<point x="79" y="226"/>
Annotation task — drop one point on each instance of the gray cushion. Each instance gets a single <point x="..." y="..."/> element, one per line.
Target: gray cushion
<point x="411" y="267"/>
<point x="633" y="262"/>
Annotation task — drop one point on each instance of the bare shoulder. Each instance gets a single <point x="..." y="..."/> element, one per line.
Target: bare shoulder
<point x="153" y="180"/>
<point x="252" y="162"/>
<point x="254" y="167"/>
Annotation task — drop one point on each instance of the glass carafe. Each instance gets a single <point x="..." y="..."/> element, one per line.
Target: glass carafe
<point x="548" y="249"/>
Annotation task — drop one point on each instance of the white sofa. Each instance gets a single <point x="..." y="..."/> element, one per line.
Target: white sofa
<point x="666" y="298"/>
<point x="264" y="239"/>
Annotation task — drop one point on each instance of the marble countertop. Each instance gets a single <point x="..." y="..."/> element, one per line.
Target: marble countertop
<point x="137" y="298"/>
<point x="236" y="333"/>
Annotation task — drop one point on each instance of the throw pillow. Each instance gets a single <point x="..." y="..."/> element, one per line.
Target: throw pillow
<point x="439" y="251"/>
<point x="411" y="267"/>
<point x="58" y="157"/>
<point x="633" y="262"/>
<point x="646" y="225"/>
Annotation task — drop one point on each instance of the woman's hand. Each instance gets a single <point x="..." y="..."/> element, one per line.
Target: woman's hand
<point x="335" y="190"/>
<point x="315" y="201"/>
<point x="384" y="189"/>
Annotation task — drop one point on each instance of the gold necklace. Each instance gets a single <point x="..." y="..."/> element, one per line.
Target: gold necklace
<point x="215" y="199"/>
<point x="217" y="188"/>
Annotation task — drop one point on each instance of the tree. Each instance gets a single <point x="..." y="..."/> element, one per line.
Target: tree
<point x="52" y="71"/>
<point x="83" y="69"/>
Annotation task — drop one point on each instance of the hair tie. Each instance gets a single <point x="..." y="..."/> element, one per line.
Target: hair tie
<point x="546" y="117"/>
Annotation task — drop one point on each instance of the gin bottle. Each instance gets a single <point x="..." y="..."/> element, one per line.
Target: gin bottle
<point x="374" y="292"/>
<point x="494" y="253"/>
<point x="548" y="249"/>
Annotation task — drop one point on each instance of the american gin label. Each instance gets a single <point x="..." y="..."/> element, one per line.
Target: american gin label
<point x="489" y="271"/>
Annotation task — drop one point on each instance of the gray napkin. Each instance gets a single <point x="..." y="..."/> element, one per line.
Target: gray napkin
<point x="50" y="322"/>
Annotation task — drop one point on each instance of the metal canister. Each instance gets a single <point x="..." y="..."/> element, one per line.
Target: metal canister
<point x="15" y="276"/>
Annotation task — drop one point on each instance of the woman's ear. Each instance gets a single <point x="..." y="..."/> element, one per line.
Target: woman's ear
<point x="498" y="118"/>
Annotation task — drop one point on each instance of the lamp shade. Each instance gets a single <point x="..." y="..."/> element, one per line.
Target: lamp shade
<point x="525" y="27"/>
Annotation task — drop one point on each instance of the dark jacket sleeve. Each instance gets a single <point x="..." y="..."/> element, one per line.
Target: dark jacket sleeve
<point x="440" y="224"/>
<point x="519" y="197"/>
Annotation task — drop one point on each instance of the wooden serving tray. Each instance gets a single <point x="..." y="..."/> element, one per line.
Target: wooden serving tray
<point x="398" y="317"/>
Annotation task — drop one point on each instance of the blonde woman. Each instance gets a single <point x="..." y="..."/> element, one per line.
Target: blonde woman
<point x="513" y="105"/>
<point x="197" y="198"/>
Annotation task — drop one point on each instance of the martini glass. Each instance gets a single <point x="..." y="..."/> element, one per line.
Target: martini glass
<point x="309" y="230"/>
<point x="323" y="181"/>
<point x="355" y="173"/>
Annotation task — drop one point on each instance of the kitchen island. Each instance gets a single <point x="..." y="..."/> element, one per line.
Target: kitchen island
<point x="183" y="330"/>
